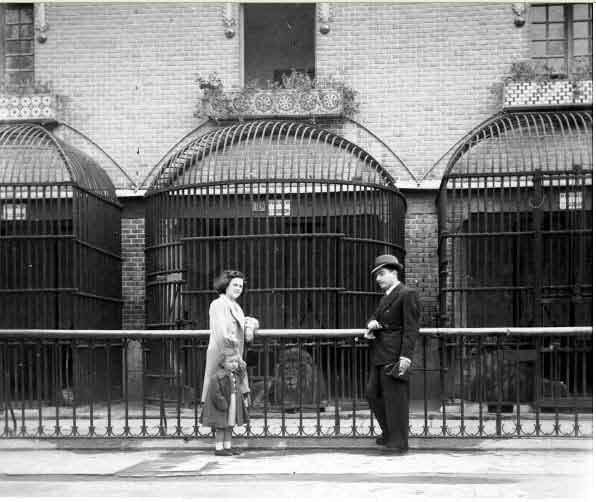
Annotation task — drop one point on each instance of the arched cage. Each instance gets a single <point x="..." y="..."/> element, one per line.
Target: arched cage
<point x="516" y="223"/>
<point x="515" y="210"/>
<point x="301" y="211"/>
<point x="60" y="264"/>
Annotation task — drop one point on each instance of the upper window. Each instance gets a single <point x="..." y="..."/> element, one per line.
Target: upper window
<point x="277" y="39"/>
<point x="562" y="36"/>
<point x="16" y="44"/>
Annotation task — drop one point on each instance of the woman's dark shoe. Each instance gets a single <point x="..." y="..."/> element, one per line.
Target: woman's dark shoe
<point x="380" y="440"/>
<point x="223" y="453"/>
<point x="234" y="451"/>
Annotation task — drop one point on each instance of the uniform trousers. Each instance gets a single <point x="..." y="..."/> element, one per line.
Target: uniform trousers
<point x="389" y="399"/>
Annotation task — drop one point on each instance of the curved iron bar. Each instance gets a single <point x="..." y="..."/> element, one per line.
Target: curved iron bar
<point x="524" y="123"/>
<point x="25" y="135"/>
<point x="81" y="170"/>
<point x="458" y="143"/>
<point x="363" y="127"/>
<point x="219" y="140"/>
<point x="170" y="150"/>
<point x="83" y="135"/>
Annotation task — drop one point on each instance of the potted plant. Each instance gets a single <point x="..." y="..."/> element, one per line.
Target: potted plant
<point x="298" y="95"/>
<point x="529" y="84"/>
<point x="33" y="101"/>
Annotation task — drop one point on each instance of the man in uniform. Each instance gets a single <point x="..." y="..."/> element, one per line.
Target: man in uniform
<point x="392" y="331"/>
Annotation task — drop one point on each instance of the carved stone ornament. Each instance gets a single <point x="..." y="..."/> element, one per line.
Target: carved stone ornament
<point x="520" y="10"/>
<point x="229" y="19"/>
<point x="324" y="17"/>
<point x="41" y="24"/>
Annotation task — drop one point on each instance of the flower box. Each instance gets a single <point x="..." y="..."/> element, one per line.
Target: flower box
<point x="264" y="103"/>
<point x="547" y="93"/>
<point x="42" y="107"/>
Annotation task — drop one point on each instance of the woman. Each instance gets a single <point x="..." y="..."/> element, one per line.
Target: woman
<point x="228" y="325"/>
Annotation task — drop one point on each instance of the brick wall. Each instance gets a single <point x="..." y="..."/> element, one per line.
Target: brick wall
<point x="422" y="266"/>
<point x="133" y="273"/>
<point x="127" y="73"/>
<point x="423" y="73"/>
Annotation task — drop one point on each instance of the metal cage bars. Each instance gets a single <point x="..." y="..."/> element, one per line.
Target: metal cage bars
<point x="514" y="128"/>
<point x="59" y="233"/>
<point x="294" y="221"/>
<point x="32" y="155"/>
<point x="515" y="217"/>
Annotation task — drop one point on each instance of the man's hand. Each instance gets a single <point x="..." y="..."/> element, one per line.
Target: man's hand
<point x="373" y="324"/>
<point x="404" y="365"/>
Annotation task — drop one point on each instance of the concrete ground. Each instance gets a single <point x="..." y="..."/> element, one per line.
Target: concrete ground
<point x="434" y="470"/>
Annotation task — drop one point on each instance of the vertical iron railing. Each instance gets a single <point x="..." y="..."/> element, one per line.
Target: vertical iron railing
<point x="304" y="384"/>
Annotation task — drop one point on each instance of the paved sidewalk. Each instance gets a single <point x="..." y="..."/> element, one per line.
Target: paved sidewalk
<point x="452" y="444"/>
<point x="510" y="472"/>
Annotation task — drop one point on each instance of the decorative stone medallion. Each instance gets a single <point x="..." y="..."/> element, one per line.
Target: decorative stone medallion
<point x="263" y="102"/>
<point x="241" y="103"/>
<point x="285" y="102"/>
<point x="308" y="101"/>
<point x="329" y="100"/>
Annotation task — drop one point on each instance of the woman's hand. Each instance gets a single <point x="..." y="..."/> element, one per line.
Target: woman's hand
<point x="250" y="325"/>
<point x="373" y="324"/>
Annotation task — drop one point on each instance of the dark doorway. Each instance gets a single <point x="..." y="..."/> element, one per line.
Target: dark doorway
<point x="277" y="39"/>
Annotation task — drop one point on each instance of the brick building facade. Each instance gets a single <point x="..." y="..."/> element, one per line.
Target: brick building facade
<point x="425" y="75"/>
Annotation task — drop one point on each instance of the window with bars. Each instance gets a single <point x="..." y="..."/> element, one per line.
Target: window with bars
<point x="16" y="44"/>
<point x="562" y="37"/>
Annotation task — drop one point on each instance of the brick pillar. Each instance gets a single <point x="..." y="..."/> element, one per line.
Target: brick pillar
<point x="422" y="273"/>
<point x="133" y="294"/>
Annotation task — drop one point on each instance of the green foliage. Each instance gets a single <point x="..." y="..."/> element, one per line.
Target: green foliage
<point x="213" y="93"/>
<point x="26" y="87"/>
<point x="210" y="84"/>
<point x="582" y="68"/>
<point x="529" y="70"/>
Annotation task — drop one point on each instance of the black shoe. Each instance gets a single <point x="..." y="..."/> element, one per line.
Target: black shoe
<point x="234" y="451"/>
<point x="380" y="440"/>
<point x="223" y="453"/>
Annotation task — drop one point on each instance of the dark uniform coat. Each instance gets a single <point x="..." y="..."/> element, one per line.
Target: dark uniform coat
<point x="398" y="314"/>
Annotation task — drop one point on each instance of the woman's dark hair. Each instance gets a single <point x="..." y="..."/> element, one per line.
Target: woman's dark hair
<point x="222" y="281"/>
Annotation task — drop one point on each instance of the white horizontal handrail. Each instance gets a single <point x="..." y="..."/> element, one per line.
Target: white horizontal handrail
<point x="286" y="333"/>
